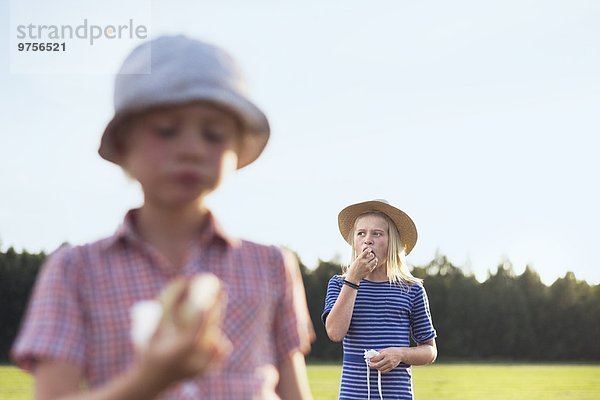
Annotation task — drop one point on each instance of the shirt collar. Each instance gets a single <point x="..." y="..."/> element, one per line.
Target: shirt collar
<point x="211" y="231"/>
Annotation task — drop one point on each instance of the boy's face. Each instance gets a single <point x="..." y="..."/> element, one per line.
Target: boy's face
<point x="180" y="154"/>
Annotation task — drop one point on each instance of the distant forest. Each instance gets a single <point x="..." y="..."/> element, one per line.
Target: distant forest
<point x="507" y="317"/>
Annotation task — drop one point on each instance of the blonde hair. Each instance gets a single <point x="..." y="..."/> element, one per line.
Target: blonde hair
<point x="396" y="265"/>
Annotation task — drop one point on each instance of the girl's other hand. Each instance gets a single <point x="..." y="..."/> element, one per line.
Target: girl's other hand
<point x="387" y="360"/>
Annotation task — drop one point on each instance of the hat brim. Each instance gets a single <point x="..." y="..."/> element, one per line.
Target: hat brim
<point x="256" y="129"/>
<point x="405" y="225"/>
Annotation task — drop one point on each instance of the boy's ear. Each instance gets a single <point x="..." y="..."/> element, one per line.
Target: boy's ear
<point x="240" y="141"/>
<point x="122" y="140"/>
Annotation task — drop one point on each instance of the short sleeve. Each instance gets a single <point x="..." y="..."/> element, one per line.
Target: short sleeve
<point x="53" y="324"/>
<point x="421" y="322"/>
<point x="334" y="287"/>
<point x="292" y="325"/>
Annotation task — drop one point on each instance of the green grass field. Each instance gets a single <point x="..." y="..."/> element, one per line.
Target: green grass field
<point x="439" y="381"/>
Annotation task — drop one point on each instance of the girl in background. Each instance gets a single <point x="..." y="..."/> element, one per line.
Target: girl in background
<point x="377" y="306"/>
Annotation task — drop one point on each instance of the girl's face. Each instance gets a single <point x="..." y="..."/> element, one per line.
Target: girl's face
<point x="371" y="231"/>
<point x="180" y="154"/>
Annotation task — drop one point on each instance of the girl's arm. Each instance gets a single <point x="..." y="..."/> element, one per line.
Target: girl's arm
<point x="338" y="320"/>
<point x="293" y="381"/>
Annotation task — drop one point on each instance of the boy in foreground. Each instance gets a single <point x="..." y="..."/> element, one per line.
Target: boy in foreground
<point x="178" y="131"/>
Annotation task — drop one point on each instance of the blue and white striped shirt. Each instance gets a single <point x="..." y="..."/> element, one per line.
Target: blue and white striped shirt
<point x="384" y="315"/>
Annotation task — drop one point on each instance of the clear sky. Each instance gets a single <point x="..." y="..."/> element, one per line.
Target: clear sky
<point x="479" y="119"/>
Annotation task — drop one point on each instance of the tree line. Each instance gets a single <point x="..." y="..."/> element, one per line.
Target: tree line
<point x="507" y="317"/>
<point x="17" y="276"/>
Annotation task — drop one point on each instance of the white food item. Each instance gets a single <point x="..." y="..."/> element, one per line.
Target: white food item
<point x="145" y="317"/>
<point x="370" y="353"/>
<point x="178" y="307"/>
<point x="203" y="292"/>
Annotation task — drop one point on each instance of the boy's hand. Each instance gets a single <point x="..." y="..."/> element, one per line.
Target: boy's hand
<point x="172" y="356"/>
<point x="188" y="340"/>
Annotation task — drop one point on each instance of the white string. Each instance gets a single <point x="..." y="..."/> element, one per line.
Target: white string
<point x="368" y="380"/>
<point x="368" y="355"/>
<point x="379" y="384"/>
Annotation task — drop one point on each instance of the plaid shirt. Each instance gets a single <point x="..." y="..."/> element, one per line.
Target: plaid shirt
<point x="79" y="311"/>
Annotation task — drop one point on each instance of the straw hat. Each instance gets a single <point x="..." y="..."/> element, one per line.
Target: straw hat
<point x="172" y="70"/>
<point x="406" y="227"/>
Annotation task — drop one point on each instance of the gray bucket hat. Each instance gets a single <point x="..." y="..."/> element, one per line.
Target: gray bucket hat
<point x="173" y="70"/>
